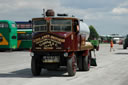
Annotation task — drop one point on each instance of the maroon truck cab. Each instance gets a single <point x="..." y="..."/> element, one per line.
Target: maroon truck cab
<point x="59" y="41"/>
<point x="57" y="34"/>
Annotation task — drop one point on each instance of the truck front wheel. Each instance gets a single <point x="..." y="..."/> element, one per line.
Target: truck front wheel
<point x="71" y="66"/>
<point x="36" y="69"/>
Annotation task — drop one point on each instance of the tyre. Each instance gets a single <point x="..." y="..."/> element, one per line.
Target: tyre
<point x="71" y="66"/>
<point x="35" y="68"/>
<point x="10" y="50"/>
<point x="86" y="63"/>
<point x="124" y="47"/>
<point x="80" y="65"/>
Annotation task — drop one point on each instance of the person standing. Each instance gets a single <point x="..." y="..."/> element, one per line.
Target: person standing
<point x="95" y="44"/>
<point x="111" y="45"/>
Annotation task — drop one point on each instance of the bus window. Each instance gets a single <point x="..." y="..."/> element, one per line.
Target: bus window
<point x="18" y="26"/>
<point x="28" y="26"/>
<point x="3" y="25"/>
<point x="24" y="36"/>
<point x="24" y="26"/>
<point x="14" y="25"/>
<point x="39" y="26"/>
<point x="21" y="37"/>
<point x="28" y="36"/>
<point x="58" y="25"/>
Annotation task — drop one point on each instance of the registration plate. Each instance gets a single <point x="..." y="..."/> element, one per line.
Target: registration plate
<point x="51" y="59"/>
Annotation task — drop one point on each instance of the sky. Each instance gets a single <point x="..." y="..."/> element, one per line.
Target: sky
<point x="107" y="16"/>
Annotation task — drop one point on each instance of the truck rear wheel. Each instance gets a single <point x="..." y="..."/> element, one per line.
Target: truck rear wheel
<point x="86" y="63"/>
<point x="71" y="66"/>
<point x="124" y="47"/>
<point x="35" y="68"/>
<point x="80" y="65"/>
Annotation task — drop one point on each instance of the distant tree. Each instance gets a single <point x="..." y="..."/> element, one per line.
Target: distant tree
<point x="93" y="33"/>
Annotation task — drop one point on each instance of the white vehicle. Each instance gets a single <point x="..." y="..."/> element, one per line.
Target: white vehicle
<point x="117" y="40"/>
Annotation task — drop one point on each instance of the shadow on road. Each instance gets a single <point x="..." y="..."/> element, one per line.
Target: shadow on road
<point x="119" y="48"/>
<point x="26" y="73"/>
<point x="23" y="73"/>
<point x="121" y="53"/>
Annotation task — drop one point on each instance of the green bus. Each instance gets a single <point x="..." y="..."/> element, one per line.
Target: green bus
<point x="24" y="38"/>
<point x="8" y="35"/>
<point x="24" y="31"/>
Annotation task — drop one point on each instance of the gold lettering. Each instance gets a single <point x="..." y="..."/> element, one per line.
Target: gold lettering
<point x="38" y="47"/>
<point x="58" y="48"/>
<point x="36" y="40"/>
<point x="47" y="42"/>
<point x="58" y="39"/>
<point x="48" y="47"/>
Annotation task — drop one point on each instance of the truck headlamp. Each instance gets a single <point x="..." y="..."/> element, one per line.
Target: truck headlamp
<point x="31" y="54"/>
<point x="66" y="54"/>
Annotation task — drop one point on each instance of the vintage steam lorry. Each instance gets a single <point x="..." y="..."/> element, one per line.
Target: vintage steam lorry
<point x="60" y="41"/>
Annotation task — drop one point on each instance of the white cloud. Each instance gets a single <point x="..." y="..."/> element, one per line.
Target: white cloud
<point x="120" y="10"/>
<point x="7" y="6"/>
<point x="124" y="4"/>
<point x="96" y="12"/>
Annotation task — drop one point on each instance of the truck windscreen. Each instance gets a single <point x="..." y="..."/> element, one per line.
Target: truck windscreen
<point x="39" y="26"/>
<point x="61" y="25"/>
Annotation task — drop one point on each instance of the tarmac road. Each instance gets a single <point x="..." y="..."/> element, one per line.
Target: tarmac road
<point x="112" y="69"/>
